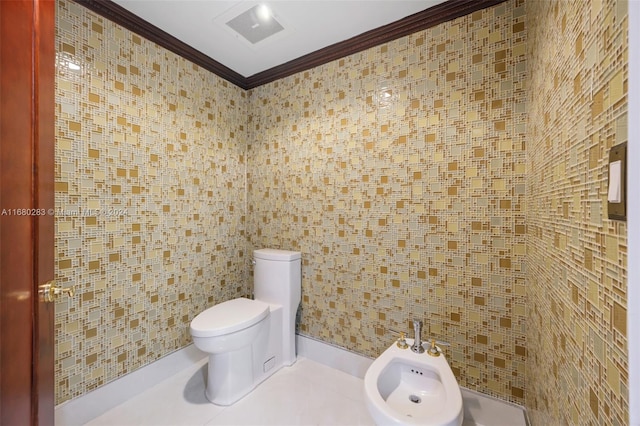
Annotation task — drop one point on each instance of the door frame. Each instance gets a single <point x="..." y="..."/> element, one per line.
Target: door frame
<point x="27" y="119"/>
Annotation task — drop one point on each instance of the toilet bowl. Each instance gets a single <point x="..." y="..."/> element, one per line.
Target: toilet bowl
<point x="249" y="340"/>
<point x="407" y="388"/>
<point x="227" y="332"/>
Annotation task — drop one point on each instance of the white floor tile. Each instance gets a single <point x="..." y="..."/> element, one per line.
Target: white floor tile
<point x="306" y="393"/>
<point x="178" y="400"/>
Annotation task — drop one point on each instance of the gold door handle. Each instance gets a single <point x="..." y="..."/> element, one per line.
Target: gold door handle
<point x="50" y="292"/>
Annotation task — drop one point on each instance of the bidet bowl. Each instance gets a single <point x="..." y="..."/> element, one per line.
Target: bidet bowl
<point x="402" y="387"/>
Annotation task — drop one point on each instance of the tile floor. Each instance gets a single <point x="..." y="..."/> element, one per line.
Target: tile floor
<point x="307" y="393"/>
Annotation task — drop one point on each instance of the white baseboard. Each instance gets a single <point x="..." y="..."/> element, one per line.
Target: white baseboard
<point x="484" y="410"/>
<point x="332" y="356"/>
<point x="82" y="409"/>
<point x="479" y="409"/>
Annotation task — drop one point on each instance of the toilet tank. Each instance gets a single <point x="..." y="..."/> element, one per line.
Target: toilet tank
<point x="277" y="277"/>
<point x="277" y="280"/>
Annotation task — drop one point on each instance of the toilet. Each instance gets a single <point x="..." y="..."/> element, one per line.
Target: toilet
<point x="249" y="340"/>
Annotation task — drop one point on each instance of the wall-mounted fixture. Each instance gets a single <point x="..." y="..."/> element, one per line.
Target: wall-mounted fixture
<point x="617" y="192"/>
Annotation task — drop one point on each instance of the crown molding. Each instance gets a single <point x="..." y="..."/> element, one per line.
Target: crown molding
<point x="427" y="18"/>
<point x="423" y="20"/>
<point x="121" y="16"/>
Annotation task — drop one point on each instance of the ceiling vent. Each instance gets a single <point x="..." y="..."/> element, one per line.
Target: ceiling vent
<point x="256" y="24"/>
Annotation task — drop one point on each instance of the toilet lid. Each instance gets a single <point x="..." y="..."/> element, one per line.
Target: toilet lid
<point x="229" y="316"/>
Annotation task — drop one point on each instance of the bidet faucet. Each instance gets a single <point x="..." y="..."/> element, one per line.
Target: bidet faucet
<point x="417" y="343"/>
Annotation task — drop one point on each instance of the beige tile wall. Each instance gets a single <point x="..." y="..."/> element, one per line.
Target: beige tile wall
<point x="576" y="330"/>
<point x="150" y="180"/>
<point x="420" y="205"/>
<point x="413" y="208"/>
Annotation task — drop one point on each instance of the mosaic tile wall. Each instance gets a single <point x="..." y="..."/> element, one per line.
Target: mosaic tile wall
<point x="577" y="305"/>
<point x="150" y="181"/>
<point x="399" y="172"/>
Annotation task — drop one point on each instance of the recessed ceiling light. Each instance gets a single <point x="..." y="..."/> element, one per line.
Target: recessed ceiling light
<point x="256" y="24"/>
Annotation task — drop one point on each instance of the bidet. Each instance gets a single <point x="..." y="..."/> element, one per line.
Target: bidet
<point x="407" y="388"/>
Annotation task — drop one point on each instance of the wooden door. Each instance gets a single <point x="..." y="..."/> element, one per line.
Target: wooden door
<point x="27" y="69"/>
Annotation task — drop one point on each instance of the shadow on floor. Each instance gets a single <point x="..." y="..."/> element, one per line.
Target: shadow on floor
<point x="194" y="388"/>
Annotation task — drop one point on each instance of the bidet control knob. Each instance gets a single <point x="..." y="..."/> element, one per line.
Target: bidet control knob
<point x="401" y="343"/>
<point x="434" y="350"/>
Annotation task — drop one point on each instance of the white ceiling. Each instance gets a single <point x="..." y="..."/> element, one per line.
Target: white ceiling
<point x="309" y="25"/>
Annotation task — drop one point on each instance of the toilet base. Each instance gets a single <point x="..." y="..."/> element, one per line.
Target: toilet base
<point x="228" y="378"/>
<point x="233" y="375"/>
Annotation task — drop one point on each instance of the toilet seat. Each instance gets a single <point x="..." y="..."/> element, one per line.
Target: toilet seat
<point x="228" y="317"/>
